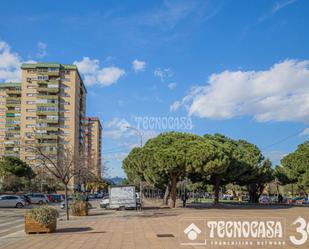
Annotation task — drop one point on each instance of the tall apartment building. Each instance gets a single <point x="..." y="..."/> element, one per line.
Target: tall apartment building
<point x="93" y="144"/>
<point x="53" y="106"/>
<point x="10" y="99"/>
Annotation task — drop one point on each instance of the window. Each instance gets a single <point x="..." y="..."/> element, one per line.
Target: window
<point x="42" y="77"/>
<point x="64" y="95"/>
<point x="65" y="111"/>
<point x="31" y="87"/>
<point x="31" y="94"/>
<point x="30" y="125"/>
<point x="30" y="118"/>
<point x="53" y="69"/>
<point x="29" y="80"/>
<point x="30" y="157"/>
<point x="31" y="102"/>
<point x="30" y="110"/>
<point x="47" y="108"/>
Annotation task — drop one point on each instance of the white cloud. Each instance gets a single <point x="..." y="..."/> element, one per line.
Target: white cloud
<point x="281" y="4"/>
<point x="175" y="106"/>
<point x="116" y="128"/>
<point x="93" y="74"/>
<point x="305" y="132"/>
<point x="10" y="63"/>
<point x="280" y="93"/>
<point x="172" y="85"/>
<point x="163" y="74"/>
<point x="41" y="49"/>
<point x="138" y="65"/>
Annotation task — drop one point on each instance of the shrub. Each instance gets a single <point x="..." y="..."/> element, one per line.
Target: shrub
<point x="44" y="215"/>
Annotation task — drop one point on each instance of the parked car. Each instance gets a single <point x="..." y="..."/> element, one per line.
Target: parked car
<point x="227" y="197"/>
<point x="99" y="195"/>
<point x="104" y="203"/>
<point x="12" y="201"/>
<point x="54" y="198"/>
<point x="26" y="199"/>
<point x="38" y="199"/>
<point x="265" y="199"/>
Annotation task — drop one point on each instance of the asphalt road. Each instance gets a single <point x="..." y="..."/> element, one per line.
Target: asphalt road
<point x="12" y="220"/>
<point x="12" y="223"/>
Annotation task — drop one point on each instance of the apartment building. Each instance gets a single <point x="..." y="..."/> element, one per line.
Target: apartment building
<point x="10" y="99"/>
<point x="93" y="144"/>
<point x="53" y="106"/>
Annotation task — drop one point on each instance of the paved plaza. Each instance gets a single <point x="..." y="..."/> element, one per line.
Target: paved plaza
<point x="152" y="228"/>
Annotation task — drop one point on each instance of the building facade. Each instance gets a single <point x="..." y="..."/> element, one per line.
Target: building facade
<point x="10" y="100"/>
<point x="93" y="145"/>
<point x="53" y="107"/>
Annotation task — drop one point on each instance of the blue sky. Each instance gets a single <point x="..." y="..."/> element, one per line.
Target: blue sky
<point x="235" y="67"/>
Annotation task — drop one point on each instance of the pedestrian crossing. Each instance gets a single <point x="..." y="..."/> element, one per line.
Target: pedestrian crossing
<point x="11" y="224"/>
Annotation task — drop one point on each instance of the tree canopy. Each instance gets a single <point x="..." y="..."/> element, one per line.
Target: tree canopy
<point x="296" y="165"/>
<point x="210" y="159"/>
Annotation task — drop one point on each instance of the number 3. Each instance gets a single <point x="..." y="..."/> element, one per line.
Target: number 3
<point x="302" y="230"/>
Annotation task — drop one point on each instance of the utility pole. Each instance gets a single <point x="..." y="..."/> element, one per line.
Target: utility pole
<point x="141" y="145"/>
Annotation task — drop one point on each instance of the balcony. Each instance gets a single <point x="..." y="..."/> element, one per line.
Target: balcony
<point x="45" y="113"/>
<point x="13" y="91"/>
<point x="42" y="96"/>
<point x="11" y="153"/>
<point x="46" y="136"/>
<point x="54" y="73"/>
<point x="47" y="104"/>
<point x="12" y="104"/>
<point x="48" y="89"/>
<point x="12" y="111"/>
<point x="11" y="115"/>
<point x="49" y="144"/>
<point x="48" y="121"/>
<point x="13" y="98"/>
<point x="47" y="128"/>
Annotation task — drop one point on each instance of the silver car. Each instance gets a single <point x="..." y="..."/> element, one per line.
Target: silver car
<point x="38" y="199"/>
<point x="11" y="201"/>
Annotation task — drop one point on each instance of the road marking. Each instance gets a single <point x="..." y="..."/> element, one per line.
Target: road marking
<point x="10" y="222"/>
<point x="11" y="228"/>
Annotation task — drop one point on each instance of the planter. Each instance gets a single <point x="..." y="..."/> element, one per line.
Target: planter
<point x="80" y="208"/>
<point x="32" y="226"/>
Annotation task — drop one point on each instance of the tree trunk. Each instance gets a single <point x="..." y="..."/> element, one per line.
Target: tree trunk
<point x="173" y="190"/>
<point x="217" y="189"/>
<point x="255" y="192"/>
<point x="167" y="194"/>
<point x="234" y="194"/>
<point x="66" y="200"/>
<point x="252" y="193"/>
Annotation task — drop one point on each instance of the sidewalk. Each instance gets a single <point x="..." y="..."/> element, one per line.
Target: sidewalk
<point x="138" y="230"/>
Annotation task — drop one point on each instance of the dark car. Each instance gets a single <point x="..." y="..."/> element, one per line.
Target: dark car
<point x="54" y="198"/>
<point x="26" y="199"/>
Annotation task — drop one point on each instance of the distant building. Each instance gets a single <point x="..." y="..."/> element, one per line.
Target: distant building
<point x="48" y="108"/>
<point x="93" y="145"/>
<point x="53" y="107"/>
<point x="10" y="100"/>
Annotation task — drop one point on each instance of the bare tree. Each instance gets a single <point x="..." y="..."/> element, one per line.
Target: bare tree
<point x="63" y="165"/>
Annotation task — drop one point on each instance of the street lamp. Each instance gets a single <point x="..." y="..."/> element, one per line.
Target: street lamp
<point x="138" y="132"/>
<point x="141" y="144"/>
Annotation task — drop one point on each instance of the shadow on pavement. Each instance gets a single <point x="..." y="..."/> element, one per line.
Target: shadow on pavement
<point x="73" y="230"/>
<point x="237" y="206"/>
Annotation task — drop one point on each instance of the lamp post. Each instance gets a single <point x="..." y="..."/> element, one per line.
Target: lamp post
<point x="141" y="145"/>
